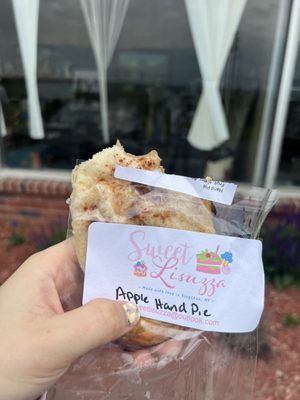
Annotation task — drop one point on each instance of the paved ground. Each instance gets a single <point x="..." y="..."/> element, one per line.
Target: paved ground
<point x="279" y="377"/>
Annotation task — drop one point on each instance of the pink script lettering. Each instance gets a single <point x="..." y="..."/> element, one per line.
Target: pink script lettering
<point x="142" y="248"/>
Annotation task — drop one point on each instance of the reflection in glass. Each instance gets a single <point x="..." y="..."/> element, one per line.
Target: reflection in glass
<point x="154" y="84"/>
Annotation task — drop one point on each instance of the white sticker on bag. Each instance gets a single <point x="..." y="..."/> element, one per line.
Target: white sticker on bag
<point x="202" y="281"/>
<point x="221" y="192"/>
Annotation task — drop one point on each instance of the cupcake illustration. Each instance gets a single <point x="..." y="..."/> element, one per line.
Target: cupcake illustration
<point x="226" y="260"/>
<point x="140" y="269"/>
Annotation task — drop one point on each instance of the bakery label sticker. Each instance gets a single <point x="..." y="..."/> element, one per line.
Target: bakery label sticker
<point x="202" y="281"/>
<point x="207" y="189"/>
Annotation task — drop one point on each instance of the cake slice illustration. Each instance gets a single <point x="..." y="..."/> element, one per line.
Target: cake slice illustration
<point x="140" y="269"/>
<point x="210" y="262"/>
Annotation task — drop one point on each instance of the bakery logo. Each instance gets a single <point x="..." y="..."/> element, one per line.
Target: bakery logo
<point x="140" y="269"/>
<point x="210" y="262"/>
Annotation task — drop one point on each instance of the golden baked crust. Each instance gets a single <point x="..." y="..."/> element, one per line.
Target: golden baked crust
<point x="98" y="196"/>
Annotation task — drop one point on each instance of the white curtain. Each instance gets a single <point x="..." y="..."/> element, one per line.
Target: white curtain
<point x="3" y="129"/>
<point x="213" y="25"/>
<point x="26" y="16"/>
<point x="104" y="20"/>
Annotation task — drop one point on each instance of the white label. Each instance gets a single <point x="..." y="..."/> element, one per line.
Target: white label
<point x="220" y="192"/>
<point x="202" y="281"/>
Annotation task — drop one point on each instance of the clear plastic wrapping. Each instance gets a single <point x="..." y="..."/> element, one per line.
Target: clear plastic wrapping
<point x="192" y="364"/>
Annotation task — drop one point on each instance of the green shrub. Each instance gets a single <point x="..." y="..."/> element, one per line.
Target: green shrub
<point x="16" y="238"/>
<point x="291" y="320"/>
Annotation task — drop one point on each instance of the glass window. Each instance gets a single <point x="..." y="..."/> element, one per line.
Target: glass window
<point x="154" y="85"/>
<point x="289" y="168"/>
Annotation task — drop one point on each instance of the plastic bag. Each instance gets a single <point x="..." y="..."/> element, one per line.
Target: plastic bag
<point x="193" y="364"/>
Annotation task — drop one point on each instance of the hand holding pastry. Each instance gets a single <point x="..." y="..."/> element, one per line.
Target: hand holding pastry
<point x="39" y="341"/>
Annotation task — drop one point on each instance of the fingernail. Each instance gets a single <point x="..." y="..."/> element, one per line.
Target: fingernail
<point x="132" y="313"/>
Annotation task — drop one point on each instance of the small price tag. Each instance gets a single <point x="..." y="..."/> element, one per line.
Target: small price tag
<point x="202" y="281"/>
<point x="217" y="191"/>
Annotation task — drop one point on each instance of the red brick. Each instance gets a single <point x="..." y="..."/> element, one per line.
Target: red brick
<point x="5" y="186"/>
<point x="15" y="185"/>
<point x="40" y="187"/>
<point x="29" y="186"/>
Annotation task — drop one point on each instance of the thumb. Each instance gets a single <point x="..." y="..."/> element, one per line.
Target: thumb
<point x="98" y="322"/>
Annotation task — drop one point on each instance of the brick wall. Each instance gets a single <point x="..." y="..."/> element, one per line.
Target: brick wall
<point x="33" y="215"/>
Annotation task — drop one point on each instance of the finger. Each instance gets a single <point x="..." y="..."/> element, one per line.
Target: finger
<point x="170" y="348"/>
<point x="50" y="260"/>
<point x="143" y="359"/>
<point x="58" y="263"/>
<point x="98" y="322"/>
<point x="157" y="356"/>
